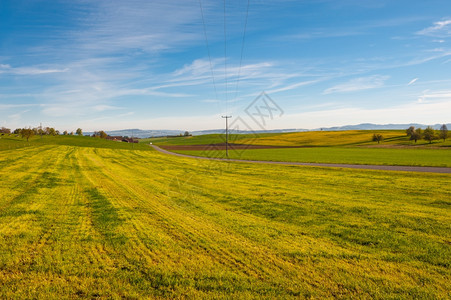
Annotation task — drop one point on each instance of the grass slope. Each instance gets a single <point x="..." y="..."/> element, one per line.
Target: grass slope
<point x="12" y="142"/>
<point x="203" y="139"/>
<point x="303" y="139"/>
<point x="356" y="155"/>
<point x="85" y="222"/>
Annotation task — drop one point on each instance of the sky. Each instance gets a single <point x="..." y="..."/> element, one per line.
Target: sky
<point x="173" y="64"/>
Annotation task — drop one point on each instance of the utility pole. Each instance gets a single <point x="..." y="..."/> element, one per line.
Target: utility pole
<point x="227" y="134"/>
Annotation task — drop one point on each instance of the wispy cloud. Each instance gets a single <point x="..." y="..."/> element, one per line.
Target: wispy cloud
<point x="11" y="106"/>
<point x="429" y="96"/>
<point x="292" y="86"/>
<point x="437" y="110"/>
<point x="116" y="26"/>
<point x="412" y="81"/>
<point x="7" y="69"/>
<point x="358" y="84"/>
<point x="439" y="29"/>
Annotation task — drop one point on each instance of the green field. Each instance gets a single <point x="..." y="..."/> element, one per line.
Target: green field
<point x="348" y="147"/>
<point x="9" y="142"/>
<point x="103" y="222"/>
<point x="307" y="139"/>
<point x="355" y="155"/>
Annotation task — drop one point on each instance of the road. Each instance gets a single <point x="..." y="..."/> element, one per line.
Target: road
<point x="441" y="170"/>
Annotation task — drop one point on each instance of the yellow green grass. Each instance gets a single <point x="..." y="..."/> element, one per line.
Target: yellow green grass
<point x="305" y="139"/>
<point x="327" y="138"/>
<point x="9" y="142"/>
<point x="86" y="222"/>
<point x="340" y="155"/>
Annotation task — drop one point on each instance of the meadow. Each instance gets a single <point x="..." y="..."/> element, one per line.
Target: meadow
<point x="347" y="138"/>
<point x="354" y="155"/>
<point x="9" y="142"/>
<point x="347" y="147"/>
<point x="105" y="222"/>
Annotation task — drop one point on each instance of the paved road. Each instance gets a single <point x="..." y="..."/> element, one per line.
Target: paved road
<point x="347" y="166"/>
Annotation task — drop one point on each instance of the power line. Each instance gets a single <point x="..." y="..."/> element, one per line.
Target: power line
<point x="225" y="56"/>
<point x="208" y="49"/>
<point x="242" y="50"/>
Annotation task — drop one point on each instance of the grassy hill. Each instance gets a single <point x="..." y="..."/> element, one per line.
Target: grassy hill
<point x="12" y="142"/>
<point x="303" y="139"/>
<point x="103" y="222"/>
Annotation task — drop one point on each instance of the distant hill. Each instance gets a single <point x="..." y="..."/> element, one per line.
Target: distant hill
<point x="364" y="126"/>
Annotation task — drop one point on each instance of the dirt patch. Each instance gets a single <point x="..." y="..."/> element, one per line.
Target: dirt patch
<point x="221" y="146"/>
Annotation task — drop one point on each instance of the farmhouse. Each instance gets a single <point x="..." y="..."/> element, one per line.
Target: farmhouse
<point x="114" y="138"/>
<point x="130" y="140"/>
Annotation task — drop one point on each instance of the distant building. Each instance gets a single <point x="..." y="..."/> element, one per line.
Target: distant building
<point x="123" y="139"/>
<point x="130" y="140"/>
<point x="115" y="138"/>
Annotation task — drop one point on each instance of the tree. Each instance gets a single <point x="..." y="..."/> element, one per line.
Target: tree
<point x="103" y="134"/>
<point x="416" y="135"/>
<point x="410" y="130"/>
<point x="100" y="134"/>
<point x="377" y="137"/>
<point x="65" y="132"/>
<point x="27" y="133"/>
<point x="187" y="133"/>
<point x="17" y="131"/>
<point x="443" y="132"/>
<point x="5" y="130"/>
<point x="79" y="131"/>
<point x="429" y="134"/>
<point x="51" y="131"/>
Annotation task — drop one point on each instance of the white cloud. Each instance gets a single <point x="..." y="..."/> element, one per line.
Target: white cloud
<point x="7" y="69"/>
<point x="358" y="84"/>
<point x="429" y="96"/>
<point x="292" y="86"/>
<point x="11" y="106"/>
<point x="437" y="110"/>
<point x="439" y="29"/>
<point x="413" y="81"/>
<point x="210" y="101"/>
<point x="150" y="26"/>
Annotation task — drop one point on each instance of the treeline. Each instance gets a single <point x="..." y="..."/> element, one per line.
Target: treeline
<point x="29" y="132"/>
<point x="100" y="134"/>
<point x="429" y="134"/>
<point x="415" y="134"/>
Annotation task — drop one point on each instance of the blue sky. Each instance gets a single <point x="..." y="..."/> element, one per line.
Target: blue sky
<point x="109" y="64"/>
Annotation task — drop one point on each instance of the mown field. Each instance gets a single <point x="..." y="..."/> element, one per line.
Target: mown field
<point x="89" y="222"/>
<point x="355" y="155"/>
